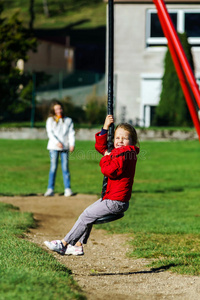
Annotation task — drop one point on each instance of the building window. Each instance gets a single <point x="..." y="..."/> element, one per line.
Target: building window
<point x="198" y="81"/>
<point x="192" y="24"/>
<point x="156" y="29"/>
<point x="151" y="86"/>
<point x="149" y="114"/>
<point x="184" y="20"/>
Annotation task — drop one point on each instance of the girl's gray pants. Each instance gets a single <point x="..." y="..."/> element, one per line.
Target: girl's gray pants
<point x="83" y="226"/>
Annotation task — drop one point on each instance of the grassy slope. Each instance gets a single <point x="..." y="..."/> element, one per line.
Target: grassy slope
<point x="62" y="13"/>
<point x="27" y="271"/>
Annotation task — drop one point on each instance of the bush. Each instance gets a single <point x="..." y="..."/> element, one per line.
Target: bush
<point x="95" y="109"/>
<point x="77" y="113"/>
<point x="172" y="109"/>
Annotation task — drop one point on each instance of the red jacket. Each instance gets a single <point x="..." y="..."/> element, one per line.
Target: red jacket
<point x="119" y="167"/>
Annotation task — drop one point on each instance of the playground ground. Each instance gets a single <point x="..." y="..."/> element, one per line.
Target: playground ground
<point x="104" y="272"/>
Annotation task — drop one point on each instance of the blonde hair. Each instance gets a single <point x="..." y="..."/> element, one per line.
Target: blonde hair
<point x="131" y="130"/>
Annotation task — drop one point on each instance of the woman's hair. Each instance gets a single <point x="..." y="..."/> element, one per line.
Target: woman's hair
<point x="51" y="109"/>
<point x="131" y="130"/>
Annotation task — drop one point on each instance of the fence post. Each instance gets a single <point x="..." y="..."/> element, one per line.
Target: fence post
<point x="60" y="84"/>
<point x="33" y="99"/>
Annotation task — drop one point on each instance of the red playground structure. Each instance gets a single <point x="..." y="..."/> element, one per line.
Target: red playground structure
<point x="182" y="66"/>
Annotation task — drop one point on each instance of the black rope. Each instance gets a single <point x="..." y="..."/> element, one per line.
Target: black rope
<point x="110" y="81"/>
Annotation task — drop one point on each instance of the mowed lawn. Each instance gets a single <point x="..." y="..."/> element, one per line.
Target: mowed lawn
<point x="164" y="215"/>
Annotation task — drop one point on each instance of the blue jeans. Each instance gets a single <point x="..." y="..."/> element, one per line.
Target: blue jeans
<point x="54" y="156"/>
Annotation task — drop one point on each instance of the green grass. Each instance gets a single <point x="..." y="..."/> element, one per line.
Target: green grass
<point x="164" y="227"/>
<point x="164" y="214"/>
<point x="62" y="13"/>
<point x="25" y="168"/>
<point x="168" y="166"/>
<point x="27" y="271"/>
<point x="164" y="217"/>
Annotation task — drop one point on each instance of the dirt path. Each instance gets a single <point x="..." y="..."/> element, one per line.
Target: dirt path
<point x="104" y="272"/>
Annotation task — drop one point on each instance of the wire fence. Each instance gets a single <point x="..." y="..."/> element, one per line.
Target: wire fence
<point x="83" y="93"/>
<point x="76" y="86"/>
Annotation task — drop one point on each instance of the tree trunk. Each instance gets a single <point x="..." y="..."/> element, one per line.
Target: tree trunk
<point x="32" y="14"/>
<point x="46" y="9"/>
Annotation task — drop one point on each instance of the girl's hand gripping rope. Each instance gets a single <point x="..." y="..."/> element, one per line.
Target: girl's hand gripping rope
<point x="108" y="121"/>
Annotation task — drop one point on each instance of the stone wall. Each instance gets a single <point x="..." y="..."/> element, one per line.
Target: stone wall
<point x="89" y="134"/>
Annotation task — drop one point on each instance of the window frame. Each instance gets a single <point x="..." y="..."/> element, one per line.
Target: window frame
<point x="162" y="41"/>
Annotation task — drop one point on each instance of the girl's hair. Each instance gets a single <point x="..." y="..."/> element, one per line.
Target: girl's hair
<point x="51" y="109"/>
<point x="131" y="130"/>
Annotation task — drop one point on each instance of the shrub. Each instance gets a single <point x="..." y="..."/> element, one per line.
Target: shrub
<point x="95" y="109"/>
<point x="172" y="109"/>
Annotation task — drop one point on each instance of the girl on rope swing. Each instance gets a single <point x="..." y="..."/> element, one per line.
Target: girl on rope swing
<point x="119" y="167"/>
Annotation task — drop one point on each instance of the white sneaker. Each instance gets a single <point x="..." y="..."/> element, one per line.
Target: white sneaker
<point x="74" y="250"/>
<point x="49" y="192"/>
<point x="68" y="192"/>
<point x="56" y="245"/>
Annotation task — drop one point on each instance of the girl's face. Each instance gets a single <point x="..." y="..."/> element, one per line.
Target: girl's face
<point x="58" y="110"/>
<point x="122" y="138"/>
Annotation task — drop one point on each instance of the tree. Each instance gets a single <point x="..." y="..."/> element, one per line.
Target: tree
<point x="172" y="109"/>
<point x="15" y="42"/>
<point x="32" y="14"/>
<point x="46" y="9"/>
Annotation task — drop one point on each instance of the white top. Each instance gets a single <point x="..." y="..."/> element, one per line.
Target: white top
<point x="61" y="131"/>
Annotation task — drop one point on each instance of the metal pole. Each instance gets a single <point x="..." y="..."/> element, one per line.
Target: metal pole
<point x="110" y="82"/>
<point x="33" y="100"/>
<point x="60" y="79"/>
<point x="110" y="70"/>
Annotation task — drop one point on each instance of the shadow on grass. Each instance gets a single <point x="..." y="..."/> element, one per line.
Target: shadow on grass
<point x="153" y="270"/>
<point x="73" y="194"/>
<point x="158" y="191"/>
<point x="31" y="195"/>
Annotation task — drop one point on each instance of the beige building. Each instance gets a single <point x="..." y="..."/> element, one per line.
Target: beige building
<point x="139" y="50"/>
<point x="51" y="57"/>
